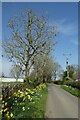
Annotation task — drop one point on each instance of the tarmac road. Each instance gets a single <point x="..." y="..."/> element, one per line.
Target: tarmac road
<point x="60" y="103"/>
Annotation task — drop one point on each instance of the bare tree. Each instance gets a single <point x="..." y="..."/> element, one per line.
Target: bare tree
<point x="57" y="71"/>
<point x="30" y="36"/>
<point x="15" y="71"/>
<point x="43" y="68"/>
<point x="2" y="75"/>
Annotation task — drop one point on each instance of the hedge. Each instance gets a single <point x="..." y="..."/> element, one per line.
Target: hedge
<point x="59" y="82"/>
<point x="74" y="84"/>
<point x="9" y="89"/>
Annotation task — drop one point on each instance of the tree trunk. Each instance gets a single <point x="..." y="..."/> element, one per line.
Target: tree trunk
<point x="27" y="73"/>
<point x="55" y="75"/>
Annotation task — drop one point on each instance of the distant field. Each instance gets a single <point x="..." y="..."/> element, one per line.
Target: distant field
<point x="10" y="80"/>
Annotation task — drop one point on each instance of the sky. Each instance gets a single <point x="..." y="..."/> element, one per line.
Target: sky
<point x="0" y="36"/>
<point x="39" y="0"/>
<point x="63" y="14"/>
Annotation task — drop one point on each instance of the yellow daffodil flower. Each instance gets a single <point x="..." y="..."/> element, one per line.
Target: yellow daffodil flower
<point x="11" y="114"/>
<point x="23" y="108"/>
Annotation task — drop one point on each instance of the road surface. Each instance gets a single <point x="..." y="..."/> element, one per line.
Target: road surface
<point x="60" y="103"/>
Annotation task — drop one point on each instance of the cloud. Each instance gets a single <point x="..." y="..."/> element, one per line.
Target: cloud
<point x="74" y="41"/>
<point x="66" y="28"/>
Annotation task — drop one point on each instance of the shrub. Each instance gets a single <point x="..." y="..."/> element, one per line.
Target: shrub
<point x="75" y="84"/>
<point x="59" y="82"/>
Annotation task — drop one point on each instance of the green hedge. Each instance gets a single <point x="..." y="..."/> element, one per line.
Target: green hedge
<point x="74" y="84"/>
<point x="59" y="82"/>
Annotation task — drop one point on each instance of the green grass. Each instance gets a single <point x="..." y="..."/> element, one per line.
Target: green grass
<point x="71" y="90"/>
<point x="41" y="104"/>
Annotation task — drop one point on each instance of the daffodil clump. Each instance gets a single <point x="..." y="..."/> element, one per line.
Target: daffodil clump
<point x="22" y="104"/>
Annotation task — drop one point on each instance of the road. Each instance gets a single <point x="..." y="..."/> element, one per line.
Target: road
<point x="60" y="103"/>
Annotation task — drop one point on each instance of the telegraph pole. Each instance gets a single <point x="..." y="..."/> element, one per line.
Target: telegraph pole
<point x="67" y="62"/>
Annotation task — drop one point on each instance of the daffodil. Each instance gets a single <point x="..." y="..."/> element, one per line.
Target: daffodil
<point x="18" y="91"/>
<point x="11" y="114"/>
<point x="5" y="110"/>
<point x="23" y="108"/>
<point x="7" y="115"/>
<point x="28" y="89"/>
<point x="30" y="99"/>
<point x="26" y="93"/>
<point x="32" y="92"/>
<point x="5" y="103"/>
<point x="21" y="95"/>
<point x="2" y="101"/>
<point x="2" y="105"/>
<point x="34" y="89"/>
<point x="29" y="96"/>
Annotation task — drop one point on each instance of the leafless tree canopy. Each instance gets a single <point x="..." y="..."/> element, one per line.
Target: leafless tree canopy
<point x="15" y="71"/>
<point x="30" y="35"/>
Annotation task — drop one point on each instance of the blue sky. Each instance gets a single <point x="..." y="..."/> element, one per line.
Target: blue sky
<point x="63" y="15"/>
<point x="0" y="36"/>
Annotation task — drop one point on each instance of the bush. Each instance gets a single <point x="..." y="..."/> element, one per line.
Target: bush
<point x="59" y="82"/>
<point x="75" y="84"/>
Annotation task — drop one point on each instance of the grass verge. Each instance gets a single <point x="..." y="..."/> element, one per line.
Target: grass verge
<point x="27" y="104"/>
<point x="71" y="90"/>
<point x="33" y="109"/>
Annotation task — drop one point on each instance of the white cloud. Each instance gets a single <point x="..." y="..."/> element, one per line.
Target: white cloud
<point x="66" y="28"/>
<point x="74" y="41"/>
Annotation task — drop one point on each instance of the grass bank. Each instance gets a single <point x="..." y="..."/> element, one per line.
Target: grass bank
<point x="73" y="91"/>
<point x="28" y="104"/>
